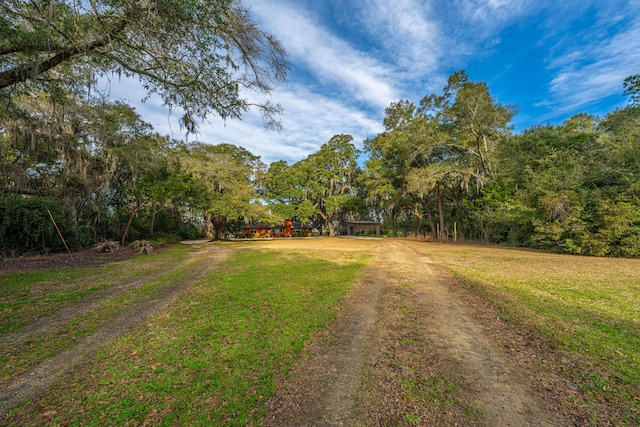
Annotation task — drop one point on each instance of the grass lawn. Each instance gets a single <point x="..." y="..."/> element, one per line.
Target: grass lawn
<point x="212" y="358"/>
<point x="588" y="308"/>
<point x="28" y="297"/>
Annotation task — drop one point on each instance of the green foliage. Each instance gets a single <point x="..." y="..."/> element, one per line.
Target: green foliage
<point x="321" y="185"/>
<point x="620" y="231"/>
<point x="226" y="178"/>
<point x="570" y="188"/>
<point x="450" y="162"/>
<point x="431" y="157"/>
<point x="25" y="225"/>
<point x="575" y="182"/>
<point x="193" y="54"/>
<point x="632" y="88"/>
<point x="163" y="239"/>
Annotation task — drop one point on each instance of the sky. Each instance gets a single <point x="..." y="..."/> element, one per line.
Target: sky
<point x="350" y="59"/>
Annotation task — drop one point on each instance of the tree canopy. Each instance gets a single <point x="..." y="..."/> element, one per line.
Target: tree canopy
<point x="322" y="184"/>
<point x="448" y="167"/>
<point x="199" y="56"/>
<point x="430" y="155"/>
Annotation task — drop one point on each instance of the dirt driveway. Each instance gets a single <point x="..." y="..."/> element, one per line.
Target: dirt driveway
<point x="404" y="350"/>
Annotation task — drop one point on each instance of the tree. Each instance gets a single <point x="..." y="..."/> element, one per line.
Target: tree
<point x="438" y="152"/>
<point x="225" y="178"/>
<point x="632" y="88"/>
<point x="198" y="56"/>
<point x="329" y="175"/>
<point x="285" y="192"/>
<point x="321" y="184"/>
<point x="146" y="178"/>
<point x="390" y="158"/>
<point x="570" y="188"/>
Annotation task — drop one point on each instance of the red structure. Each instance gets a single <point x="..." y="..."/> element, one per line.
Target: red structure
<point x="288" y="229"/>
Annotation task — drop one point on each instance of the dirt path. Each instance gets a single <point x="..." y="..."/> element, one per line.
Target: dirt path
<point x="402" y="334"/>
<point x="503" y="393"/>
<point x="325" y="385"/>
<point x="50" y="324"/>
<point x="36" y="381"/>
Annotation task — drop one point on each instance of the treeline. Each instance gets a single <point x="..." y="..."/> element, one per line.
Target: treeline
<point x="448" y="166"/>
<point x="452" y="162"/>
<point x="86" y="170"/>
<point x="93" y="168"/>
<point x="75" y="165"/>
<point x="100" y="172"/>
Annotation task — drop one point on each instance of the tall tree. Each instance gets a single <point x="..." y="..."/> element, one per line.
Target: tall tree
<point x="285" y="192"/>
<point x="330" y="175"/>
<point x="439" y="151"/>
<point x="390" y="158"/>
<point x="198" y="56"/>
<point x="320" y="185"/>
<point x="225" y="176"/>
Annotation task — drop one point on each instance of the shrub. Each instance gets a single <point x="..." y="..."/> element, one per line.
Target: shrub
<point x="25" y="225"/>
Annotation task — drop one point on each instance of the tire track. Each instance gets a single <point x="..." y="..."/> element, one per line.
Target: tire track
<point x="36" y="381"/>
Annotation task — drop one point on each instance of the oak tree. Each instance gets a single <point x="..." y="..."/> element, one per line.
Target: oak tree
<point x="199" y="56"/>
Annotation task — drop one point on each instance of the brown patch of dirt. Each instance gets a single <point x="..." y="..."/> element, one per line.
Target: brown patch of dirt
<point x="84" y="258"/>
<point x="406" y="350"/>
<point x="36" y="381"/>
<point x="544" y="366"/>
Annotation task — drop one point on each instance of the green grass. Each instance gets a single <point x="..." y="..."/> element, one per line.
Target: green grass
<point x="59" y="288"/>
<point x="26" y="297"/>
<point x="588" y="308"/>
<point x="212" y="358"/>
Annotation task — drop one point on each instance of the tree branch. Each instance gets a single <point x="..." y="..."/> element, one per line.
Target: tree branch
<point x="22" y="73"/>
<point x="9" y="50"/>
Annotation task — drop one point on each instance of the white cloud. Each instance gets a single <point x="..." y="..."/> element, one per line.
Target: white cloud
<point x="408" y="31"/>
<point x="331" y="60"/>
<point x="492" y="13"/>
<point x="587" y="74"/>
<point x="342" y="85"/>
<point x="310" y="120"/>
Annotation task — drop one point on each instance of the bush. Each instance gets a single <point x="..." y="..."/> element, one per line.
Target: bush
<point x="25" y="225"/>
<point x="161" y="239"/>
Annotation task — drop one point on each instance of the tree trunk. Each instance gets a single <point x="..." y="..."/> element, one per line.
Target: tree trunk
<point x="432" y="224"/>
<point x="153" y="218"/>
<point x="420" y="217"/>
<point x="332" y="231"/>
<point x="133" y="214"/>
<point x="218" y="223"/>
<point x="208" y="227"/>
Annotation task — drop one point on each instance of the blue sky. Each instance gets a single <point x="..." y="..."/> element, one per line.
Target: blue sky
<point x="350" y="59"/>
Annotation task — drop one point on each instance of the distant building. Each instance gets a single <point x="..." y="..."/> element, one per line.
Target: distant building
<point x="355" y="228"/>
